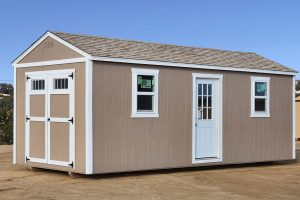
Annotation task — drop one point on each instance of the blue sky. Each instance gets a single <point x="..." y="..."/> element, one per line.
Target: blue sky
<point x="269" y="28"/>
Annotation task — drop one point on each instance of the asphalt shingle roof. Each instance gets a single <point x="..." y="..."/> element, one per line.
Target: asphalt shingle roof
<point x="117" y="48"/>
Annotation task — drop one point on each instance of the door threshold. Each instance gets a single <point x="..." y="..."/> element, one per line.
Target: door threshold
<point x="206" y="160"/>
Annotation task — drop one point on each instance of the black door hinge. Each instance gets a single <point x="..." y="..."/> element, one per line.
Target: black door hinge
<point x="71" y="120"/>
<point x="71" y="75"/>
<point x="27" y="118"/>
<point x="27" y="158"/>
<point x="71" y="164"/>
<point x="27" y="78"/>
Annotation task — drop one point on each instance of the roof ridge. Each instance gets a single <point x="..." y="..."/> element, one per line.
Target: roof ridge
<point x="155" y="43"/>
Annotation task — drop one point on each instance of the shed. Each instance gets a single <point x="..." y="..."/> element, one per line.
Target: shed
<point x="92" y="105"/>
<point x="297" y="117"/>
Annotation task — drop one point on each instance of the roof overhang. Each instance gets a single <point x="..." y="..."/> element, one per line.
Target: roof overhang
<point x="87" y="56"/>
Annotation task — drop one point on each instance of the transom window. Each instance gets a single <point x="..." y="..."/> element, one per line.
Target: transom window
<point x="260" y="97"/>
<point x="144" y="93"/>
<point x="60" y="83"/>
<point x="38" y="85"/>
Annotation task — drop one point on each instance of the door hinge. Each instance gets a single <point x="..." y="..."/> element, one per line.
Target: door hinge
<point x="71" y="164"/>
<point x="27" y="78"/>
<point x="27" y="118"/>
<point x="27" y="159"/>
<point x="71" y="75"/>
<point x="71" y="120"/>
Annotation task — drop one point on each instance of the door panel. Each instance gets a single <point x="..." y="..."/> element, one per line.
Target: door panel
<point x="60" y="104"/>
<point x="37" y="105"/>
<point x="59" y="141"/>
<point x="206" y="136"/>
<point x="37" y="140"/>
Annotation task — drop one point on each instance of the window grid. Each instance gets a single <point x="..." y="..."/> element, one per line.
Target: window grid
<point x="60" y="83"/>
<point x="38" y="85"/>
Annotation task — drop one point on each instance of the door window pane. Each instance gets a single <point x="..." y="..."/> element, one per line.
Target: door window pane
<point x="199" y="101"/>
<point x="209" y="113"/>
<point x="199" y="89"/>
<point x="204" y="89"/>
<point x="209" y="89"/>
<point x="38" y="84"/>
<point x="145" y="102"/>
<point x="260" y="105"/>
<point x="60" y="83"/>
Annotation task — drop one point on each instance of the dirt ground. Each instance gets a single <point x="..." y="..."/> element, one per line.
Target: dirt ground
<point x="279" y="180"/>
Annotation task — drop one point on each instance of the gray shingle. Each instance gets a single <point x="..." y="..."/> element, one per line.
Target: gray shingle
<point x="116" y="48"/>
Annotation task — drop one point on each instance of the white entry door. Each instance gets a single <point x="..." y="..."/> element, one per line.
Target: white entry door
<point x="206" y="122"/>
<point x="50" y="117"/>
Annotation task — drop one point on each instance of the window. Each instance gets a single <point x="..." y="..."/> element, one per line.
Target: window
<point x="38" y="85"/>
<point x="60" y="83"/>
<point x="144" y="93"/>
<point x="260" y="97"/>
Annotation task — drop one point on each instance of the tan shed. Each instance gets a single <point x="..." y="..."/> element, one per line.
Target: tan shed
<point x="92" y="105"/>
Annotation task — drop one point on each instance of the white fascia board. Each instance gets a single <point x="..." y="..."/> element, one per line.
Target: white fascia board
<point x="14" y="119"/>
<point x="294" y="120"/>
<point x="195" y="66"/>
<point x="41" y="39"/>
<point x="89" y="116"/>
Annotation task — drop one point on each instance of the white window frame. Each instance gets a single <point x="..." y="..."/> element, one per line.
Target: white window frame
<point x="254" y="113"/>
<point x="150" y="72"/>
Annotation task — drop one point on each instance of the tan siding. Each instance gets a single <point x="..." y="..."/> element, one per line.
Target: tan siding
<point x="79" y="113"/>
<point x="122" y="143"/>
<point x="49" y="49"/>
<point x="298" y="117"/>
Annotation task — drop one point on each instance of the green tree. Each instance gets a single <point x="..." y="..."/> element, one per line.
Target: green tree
<point x="6" y="120"/>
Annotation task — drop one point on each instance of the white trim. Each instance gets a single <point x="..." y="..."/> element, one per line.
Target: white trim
<point x="294" y="119"/>
<point x="15" y="119"/>
<point x="50" y="72"/>
<point x="41" y="39"/>
<point x="134" y="113"/>
<point x="51" y="62"/>
<point x="89" y="116"/>
<point x="49" y="76"/>
<point x="219" y="77"/>
<point x="196" y="66"/>
<point x="253" y="97"/>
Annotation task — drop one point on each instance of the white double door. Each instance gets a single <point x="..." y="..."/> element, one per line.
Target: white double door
<point x="206" y="126"/>
<point x="50" y="117"/>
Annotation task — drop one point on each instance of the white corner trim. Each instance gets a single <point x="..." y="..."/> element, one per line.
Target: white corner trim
<point x="134" y="112"/>
<point x="14" y="119"/>
<point x="253" y="113"/>
<point x="294" y="119"/>
<point x="41" y="39"/>
<point x="195" y="66"/>
<point x="52" y="62"/>
<point x="89" y="115"/>
<point x="219" y="77"/>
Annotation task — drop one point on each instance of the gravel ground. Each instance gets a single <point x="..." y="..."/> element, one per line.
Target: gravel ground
<point x="279" y="180"/>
